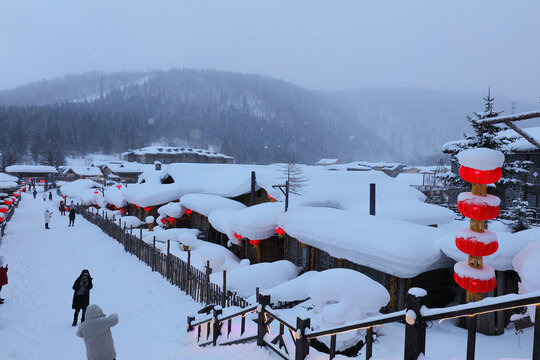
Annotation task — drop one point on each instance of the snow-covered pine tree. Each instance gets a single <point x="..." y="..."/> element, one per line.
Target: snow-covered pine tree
<point x="511" y="186"/>
<point x="518" y="216"/>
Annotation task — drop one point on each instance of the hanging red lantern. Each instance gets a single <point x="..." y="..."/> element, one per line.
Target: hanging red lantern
<point x="238" y="236"/>
<point x="163" y="220"/>
<point x="137" y="206"/>
<point x="8" y="202"/>
<point x="188" y="211"/>
<point x="484" y="177"/>
<point x="67" y="208"/>
<point x="476" y="248"/>
<point x="476" y="285"/>
<point x="254" y="242"/>
<point x="123" y="211"/>
<point x="96" y="192"/>
<point x="280" y="231"/>
<point x="3" y="209"/>
<point x="148" y="208"/>
<point x="1" y="219"/>
<point x="118" y="186"/>
<point x="171" y="219"/>
<point x="15" y="194"/>
<point x="271" y="198"/>
<point x="42" y="181"/>
<point x="478" y="211"/>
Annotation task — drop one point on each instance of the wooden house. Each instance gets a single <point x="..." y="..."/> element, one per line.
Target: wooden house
<point x="172" y="154"/>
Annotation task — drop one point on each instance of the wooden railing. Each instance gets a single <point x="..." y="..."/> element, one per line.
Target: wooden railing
<point x="7" y="216"/>
<point x="184" y="275"/>
<point x="293" y="342"/>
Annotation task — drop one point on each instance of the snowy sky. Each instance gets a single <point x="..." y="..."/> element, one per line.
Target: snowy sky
<point x="461" y="46"/>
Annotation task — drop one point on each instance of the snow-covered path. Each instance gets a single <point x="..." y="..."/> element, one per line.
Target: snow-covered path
<point x="35" y="320"/>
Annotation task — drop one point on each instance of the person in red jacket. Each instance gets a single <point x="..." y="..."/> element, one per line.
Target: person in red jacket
<point x="3" y="275"/>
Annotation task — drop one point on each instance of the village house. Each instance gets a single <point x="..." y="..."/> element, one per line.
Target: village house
<point x="70" y="173"/>
<point x="172" y="154"/>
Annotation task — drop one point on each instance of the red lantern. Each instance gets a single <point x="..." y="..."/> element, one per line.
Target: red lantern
<point x="67" y="208"/>
<point x="478" y="211"/>
<point x="123" y="211"/>
<point x="1" y="219"/>
<point x="118" y="186"/>
<point x="476" y="285"/>
<point x="137" y="206"/>
<point x="163" y="220"/>
<point x="3" y="210"/>
<point x="42" y="181"/>
<point x="188" y="211"/>
<point x="8" y="202"/>
<point x="254" y="242"/>
<point x="480" y="176"/>
<point x="238" y="236"/>
<point x="96" y="192"/>
<point x="280" y="231"/>
<point x="148" y="208"/>
<point x="476" y="248"/>
<point x="171" y="219"/>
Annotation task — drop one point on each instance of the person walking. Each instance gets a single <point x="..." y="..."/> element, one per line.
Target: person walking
<point x="50" y="196"/>
<point x="44" y="196"/>
<point x="3" y="276"/>
<point x="47" y="216"/>
<point x="96" y="333"/>
<point x="71" y="217"/>
<point x="34" y="193"/>
<point x="62" y="208"/>
<point x="81" y="295"/>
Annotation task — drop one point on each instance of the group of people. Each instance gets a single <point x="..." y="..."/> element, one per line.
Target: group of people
<point x="95" y="327"/>
<point x="72" y="213"/>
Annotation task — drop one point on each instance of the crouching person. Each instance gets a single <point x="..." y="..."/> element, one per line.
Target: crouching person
<point x="96" y="332"/>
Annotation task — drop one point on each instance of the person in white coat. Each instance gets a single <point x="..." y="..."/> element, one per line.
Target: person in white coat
<point x="96" y="332"/>
<point x="47" y="216"/>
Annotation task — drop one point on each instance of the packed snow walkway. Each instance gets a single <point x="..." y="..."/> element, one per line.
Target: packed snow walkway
<point x="35" y="320"/>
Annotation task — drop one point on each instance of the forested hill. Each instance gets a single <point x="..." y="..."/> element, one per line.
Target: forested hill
<point x="250" y="117"/>
<point x="254" y="118"/>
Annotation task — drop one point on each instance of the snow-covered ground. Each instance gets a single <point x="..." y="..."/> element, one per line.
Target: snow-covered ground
<point x="35" y="320"/>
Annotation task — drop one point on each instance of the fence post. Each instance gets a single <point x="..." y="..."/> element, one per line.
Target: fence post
<point x="415" y="328"/>
<point x="154" y="253"/>
<point x="536" y="340"/>
<point x="263" y="300"/>
<point x="471" y="336"/>
<point x="224" y="289"/>
<point x="190" y="319"/>
<point x="188" y="272"/>
<point x="302" y="344"/>
<point x="167" y="273"/>
<point x="369" y="343"/>
<point x="216" y="325"/>
<point x="207" y="280"/>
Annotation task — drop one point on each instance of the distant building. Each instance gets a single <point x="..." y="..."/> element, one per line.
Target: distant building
<point x="326" y="162"/>
<point x="71" y="173"/>
<point x="121" y="171"/>
<point x="170" y="154"/>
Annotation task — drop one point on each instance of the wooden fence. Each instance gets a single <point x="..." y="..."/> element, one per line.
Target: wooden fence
<point x="292" y="341"/>
<point x="188" y="278"/>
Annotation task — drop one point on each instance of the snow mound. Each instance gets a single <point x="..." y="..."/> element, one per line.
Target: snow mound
<point x="292" y="290"/>
<point x="214" y="256"/>
<point x="220" y="220"/>
<point x="172" y="209"/>
<point x="527" y="265"/>
<point x="205" y="203"/>
<point x="481" y="158"/>
<point x="257" y="222"/>
<point x="130" y="221"/>
<point x="169" y="234"/>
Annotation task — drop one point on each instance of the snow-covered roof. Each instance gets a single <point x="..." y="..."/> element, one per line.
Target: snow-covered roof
<point x="353" y="166"/>
<point x="83" y="170"/>
<point x="327" y="162"/>
<point x="31" y="169"/>
<point x="84" y="191"/>
<point x="8" y="184"/>
<point x="125" y="167"/>
<point x="175" y="150"/>
<point x="149" y="194"/>
<point x="7" y="177"/>
<point x="205" y="203"/>
<point x="410" y="179"/>
<point x="527" y="265"/>
<point x="394" y="247"/>
<point x="115" y="196"/>
<point x="257" y="222"/>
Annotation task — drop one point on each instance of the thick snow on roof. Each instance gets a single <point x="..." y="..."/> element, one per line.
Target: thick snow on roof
<point x="173" y="209"/>
<point x="7" y="177"/>
<point x="83" y="191"/>
<point x="125" y="167"/>
<point x="481" y="158"/>
<point x="292" y="290"/>
<point x="8" y="184"/>
<point x="220" y="220"/>
<point x="257" y="222"/>
<point x="527" y="265"/>
<point x="175" y="150"/>
<point x="227" y="180"/>
<point x="245" y="279"/>
<point x="522" y="144"/>
<point x="115" y="196"/>
<point x="509" y="245"/>
<point x="31" y="169"/>
<point x="411" y="179"/>
<point x="149" y="194"/>
<point x="394" y="247"/>
<point x="353" y="166"/>
<point x="84" y="170"/>
<point x="204" y="203"/>
<point x="349" y="190"/>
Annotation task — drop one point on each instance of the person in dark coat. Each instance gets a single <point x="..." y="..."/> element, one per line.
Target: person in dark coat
<point x="81" y="295"/>
<point x="34" y="193"/>
<point x="62" y="208"/>
<point x="71" y="217"/>
<point x="50" y="196"/>
<point x="3" y="275"/>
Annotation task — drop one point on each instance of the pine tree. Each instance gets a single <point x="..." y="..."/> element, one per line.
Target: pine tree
<point x="511" y="185"/>
<point x="518" y="216"/>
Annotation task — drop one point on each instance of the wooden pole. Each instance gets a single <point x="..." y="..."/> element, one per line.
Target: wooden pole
<point x="188" y="272"/>
<point x="302" y="344"/>
<point x="153" y="253"/>
<point x="253" y="187"/>
<point x="471" y="336"/>
<point x="287" y="187"/>
<point x="208" y="272"/>
<point x="369" y="343"/>
<point x="536" y="340"/>
<point x="415" y="333"/>
<point x="263" y="301"/>
<point x="224" y="289"/>
<point x="372" y="199"/>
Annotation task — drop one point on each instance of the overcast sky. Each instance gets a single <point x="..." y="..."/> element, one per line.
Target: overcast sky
<point x="455" y="46"/>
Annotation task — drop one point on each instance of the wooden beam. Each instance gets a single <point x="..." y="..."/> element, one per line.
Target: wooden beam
<point x="514" y="117"/>
<point x="522" y="133"/>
